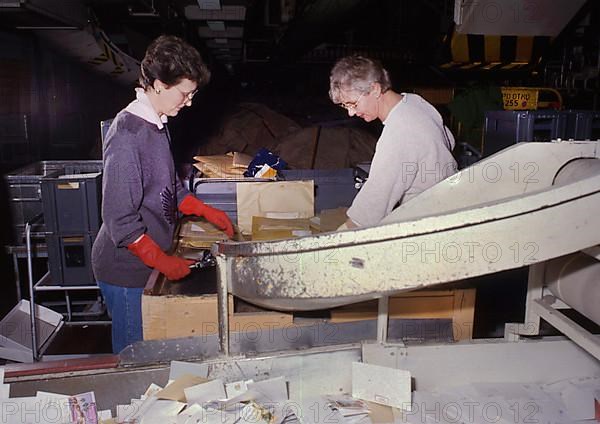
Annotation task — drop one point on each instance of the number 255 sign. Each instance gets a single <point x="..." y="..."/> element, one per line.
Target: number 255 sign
<point x="519" y="98"/>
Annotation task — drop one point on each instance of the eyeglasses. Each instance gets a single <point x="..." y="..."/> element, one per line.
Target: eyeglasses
<point x="188" y="95"/>
<point x="352" y="105"/>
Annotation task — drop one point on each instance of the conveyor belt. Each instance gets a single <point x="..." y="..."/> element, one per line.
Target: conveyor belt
<point x="500" y="214"/>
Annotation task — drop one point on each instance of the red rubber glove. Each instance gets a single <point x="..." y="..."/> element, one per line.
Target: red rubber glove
<point x="192" y="206"/>
<point x="150" y="253"/>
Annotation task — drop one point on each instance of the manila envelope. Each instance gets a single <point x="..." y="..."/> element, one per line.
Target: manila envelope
<point x="277" y="229"/>
<point x="200" y="234"/>
<point x="276" y="199"/>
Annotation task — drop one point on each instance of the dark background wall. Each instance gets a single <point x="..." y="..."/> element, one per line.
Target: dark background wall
<point x="62" y="104"/>
<point x="64" y="101"/>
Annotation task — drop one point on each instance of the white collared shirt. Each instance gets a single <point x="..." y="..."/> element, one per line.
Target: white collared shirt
<point x="142" y="107"/>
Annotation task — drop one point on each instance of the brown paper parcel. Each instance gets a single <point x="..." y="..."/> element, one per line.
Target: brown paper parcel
<point x="222" y="166"/>
<point x="199" y="233"/>
<point x="277" y="199"/>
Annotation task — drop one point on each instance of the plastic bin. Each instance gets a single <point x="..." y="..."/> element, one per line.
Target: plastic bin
<point x="505" y="128"/>
<point x="72" y="201"/>
<point x="219" y="194"/>
<point x="25" y="194"/>
<point x="594" y="125"/>
<point x="70" y="259"/>
<point x="583" y="125"/>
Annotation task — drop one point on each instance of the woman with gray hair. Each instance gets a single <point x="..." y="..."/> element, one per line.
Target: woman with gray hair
<point x="414" y="150"/>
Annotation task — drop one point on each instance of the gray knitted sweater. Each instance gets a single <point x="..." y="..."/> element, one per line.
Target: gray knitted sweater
<point x="140" y="194"/>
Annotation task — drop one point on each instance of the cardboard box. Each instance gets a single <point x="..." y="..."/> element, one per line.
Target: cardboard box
<point x="458" y="305"/>
<point x="167" y="317"/>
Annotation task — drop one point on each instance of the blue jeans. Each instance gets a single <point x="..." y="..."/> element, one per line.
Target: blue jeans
<point x="125" y="308"/>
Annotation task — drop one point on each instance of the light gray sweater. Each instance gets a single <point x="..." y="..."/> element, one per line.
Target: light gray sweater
<point x="412" y="154"/>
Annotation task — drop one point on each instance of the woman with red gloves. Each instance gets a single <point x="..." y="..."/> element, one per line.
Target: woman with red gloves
<point x="141" y="194"/>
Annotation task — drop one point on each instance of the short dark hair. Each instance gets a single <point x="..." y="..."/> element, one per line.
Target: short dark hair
<point x="170" y="59"/>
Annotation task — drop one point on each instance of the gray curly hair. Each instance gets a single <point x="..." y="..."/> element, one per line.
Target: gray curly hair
<point x="357" y="73"/>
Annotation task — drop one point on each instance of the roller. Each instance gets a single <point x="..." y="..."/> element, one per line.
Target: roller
<point x="575" y="278"/>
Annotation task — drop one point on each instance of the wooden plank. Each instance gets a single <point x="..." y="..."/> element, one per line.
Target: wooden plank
<point x="463" y="314"/>
<point x="254" y="321"/>
<point x="96" y="362"/>
<point x="167" y="317"/>
<point x="191" y="316"/>
<point x="458" y="305"/>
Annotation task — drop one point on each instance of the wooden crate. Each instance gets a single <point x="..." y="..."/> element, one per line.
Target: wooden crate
<point x="189" y="308"/>
<point x="458" y="305"/>
<point x="167" y="317"/>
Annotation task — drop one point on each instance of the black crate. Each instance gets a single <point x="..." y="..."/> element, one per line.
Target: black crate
<point x="25" y="192"/>
<point x="505" y="128"/>
<point x="583" y="125"/>
<point x="594" y="125"/>
<point x="72" y="202"/>
<point x="70" y="259"/>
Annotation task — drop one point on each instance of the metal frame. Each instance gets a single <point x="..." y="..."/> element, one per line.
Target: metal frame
<point x="34" y="346"/>
<point x="327" y="369"/>
<point x="20" y="252"/>
<point x="480" y="226"/>
<point x="503" y="214"/>
<point x="40" y="285"/>
<point x="317" y="334"/>
<point x="540" y="305"/>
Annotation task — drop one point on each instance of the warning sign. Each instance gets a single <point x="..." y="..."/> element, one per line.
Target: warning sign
<point x="519" y="98"/>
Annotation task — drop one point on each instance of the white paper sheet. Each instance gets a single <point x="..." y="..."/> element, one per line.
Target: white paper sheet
<point x="237" y="388"/>
<point x="205" y="392"/>
<point x="162" y="412"/>
<point x="383" y="385"/>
